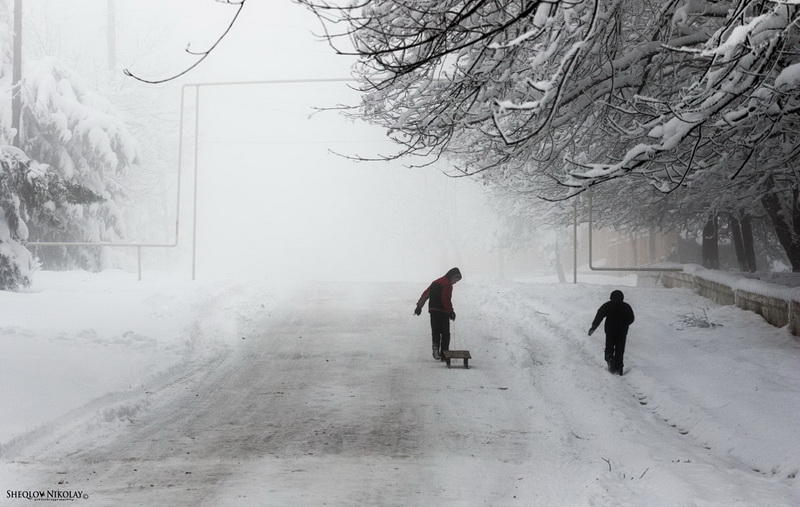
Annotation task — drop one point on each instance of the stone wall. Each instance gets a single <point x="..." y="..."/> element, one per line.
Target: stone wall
<point x="677" y="280"/>
<point x="794" y="317"/>
<point x="775" y="311"/>
<point x="715" y="291"/>
<point x="778" y="312"/>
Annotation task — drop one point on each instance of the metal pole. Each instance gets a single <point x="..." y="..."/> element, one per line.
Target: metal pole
<point x="111" y="35"/>
<point x="37" y="244"/>
<point x="197" y="87"/>
<point x="16" y="75"/>
<point x="139" y="257"/>
<point x="180" y="167"/>
<point x="590" y="230"/>
<point x="632" y="268"/>
<point x="194" y="206"/>
<point x="273" y="81"/>
<point x="575" y="241"/>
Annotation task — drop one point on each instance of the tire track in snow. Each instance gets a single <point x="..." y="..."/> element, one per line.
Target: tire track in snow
<point x="339" y="378"/>
<point x="336" y="400"/>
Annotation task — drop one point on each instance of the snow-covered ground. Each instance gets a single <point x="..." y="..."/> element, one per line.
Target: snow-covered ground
<point x="76" y="336"/>
<point x="173" y="393"/>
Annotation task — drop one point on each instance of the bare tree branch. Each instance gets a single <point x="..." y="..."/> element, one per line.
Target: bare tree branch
<point x="202" y="54"/>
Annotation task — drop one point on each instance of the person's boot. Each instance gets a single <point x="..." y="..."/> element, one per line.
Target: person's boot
<point x="436" y="353"/>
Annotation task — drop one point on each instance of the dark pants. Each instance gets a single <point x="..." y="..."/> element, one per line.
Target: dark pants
<point x="440" y="330"/>
<point x="615" y="349"/>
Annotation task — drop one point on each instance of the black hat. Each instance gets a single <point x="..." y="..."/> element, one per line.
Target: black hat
<point x="453" y="273"/>
<point x="617" y="295"/>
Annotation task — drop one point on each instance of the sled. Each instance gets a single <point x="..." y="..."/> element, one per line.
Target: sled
<point x="457" y="354"/>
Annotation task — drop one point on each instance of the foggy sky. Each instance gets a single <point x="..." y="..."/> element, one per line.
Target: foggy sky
<point x="272" y="199"/>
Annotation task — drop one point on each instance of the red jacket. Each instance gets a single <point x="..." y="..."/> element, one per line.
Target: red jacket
<point x="440" y="293"/>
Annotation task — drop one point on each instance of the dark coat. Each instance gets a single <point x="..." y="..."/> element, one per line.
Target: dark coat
<point x="618" y="315"/>
<point x="440" y="292"/>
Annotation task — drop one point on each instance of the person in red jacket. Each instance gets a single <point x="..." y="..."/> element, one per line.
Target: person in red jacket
<point x="439" y="294"/>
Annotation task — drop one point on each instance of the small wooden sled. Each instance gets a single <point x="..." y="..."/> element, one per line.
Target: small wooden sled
<point x="457" y="354"/>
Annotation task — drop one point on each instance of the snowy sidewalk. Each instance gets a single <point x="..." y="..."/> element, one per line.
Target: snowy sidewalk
<point x="719" y="375"/>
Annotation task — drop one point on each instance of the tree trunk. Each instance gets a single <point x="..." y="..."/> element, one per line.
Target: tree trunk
<point x="786" y="223"/>
<point x="652" y="245"/>
<point x="711" y="244"/>
<point x="559" y="267"/>
<point x="16" y="76"/>
<point x="748" y="242"/>
<point x="738" y="242"/>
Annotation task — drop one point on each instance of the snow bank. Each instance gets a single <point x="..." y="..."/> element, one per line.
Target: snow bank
<point x="77" y="336"/>
<point x="777" y="304"/>
<point x="737" y="281"/>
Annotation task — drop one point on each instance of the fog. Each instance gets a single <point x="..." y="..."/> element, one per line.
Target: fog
<point x="275" y="199"/>
<point x="268" y="353"/>
<point x="272" y="200"/>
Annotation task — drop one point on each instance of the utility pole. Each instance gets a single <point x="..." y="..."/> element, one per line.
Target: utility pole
<point x="111" y="35"/>
<point x="16" y="75"/>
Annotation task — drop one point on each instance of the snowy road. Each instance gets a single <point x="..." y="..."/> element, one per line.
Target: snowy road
<point x="333" y="398"/>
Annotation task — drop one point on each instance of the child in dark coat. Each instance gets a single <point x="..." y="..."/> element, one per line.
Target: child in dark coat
<point x="618" y="316"/>
<point x="440" y="306"/>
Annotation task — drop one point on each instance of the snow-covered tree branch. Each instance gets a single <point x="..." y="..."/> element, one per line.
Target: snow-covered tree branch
<point x="553" y="98"/>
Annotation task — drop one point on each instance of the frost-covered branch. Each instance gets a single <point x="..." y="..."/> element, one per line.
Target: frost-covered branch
<point x="693" y="106"/>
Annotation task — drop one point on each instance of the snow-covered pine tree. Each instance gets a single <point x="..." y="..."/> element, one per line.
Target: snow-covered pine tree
<point x="64" y="182"/>
<point x="16" y="262"/>
<point x="82" y="138"/>
<point x="29" y="191"/>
